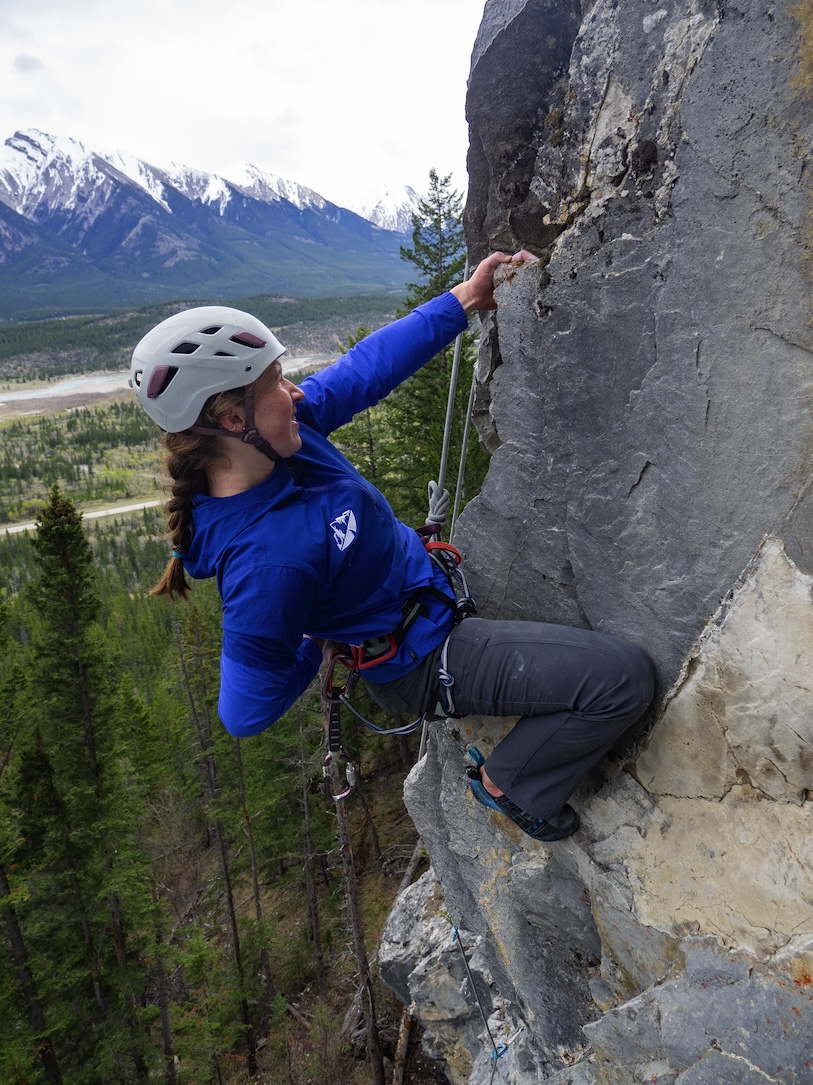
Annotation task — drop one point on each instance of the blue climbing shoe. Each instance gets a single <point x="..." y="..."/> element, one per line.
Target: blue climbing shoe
<point x="557" y="827"/>
<point x="478" y="789"/>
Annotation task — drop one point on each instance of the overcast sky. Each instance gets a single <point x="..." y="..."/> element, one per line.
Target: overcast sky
<point x="343" y="96"/>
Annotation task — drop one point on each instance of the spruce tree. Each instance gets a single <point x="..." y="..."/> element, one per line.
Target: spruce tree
<point x="438" y="244"/>
<point x="21" y="1002"/>
<point x="89" y="904"/>
<point x="415" y="413"/>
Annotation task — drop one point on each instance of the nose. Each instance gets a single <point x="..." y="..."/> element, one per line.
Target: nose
<point x="294" y="390"/>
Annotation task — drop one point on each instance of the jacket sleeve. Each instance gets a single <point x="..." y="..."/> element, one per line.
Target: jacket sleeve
<point x="374" y="366"/>
<point x="252" y="698"/>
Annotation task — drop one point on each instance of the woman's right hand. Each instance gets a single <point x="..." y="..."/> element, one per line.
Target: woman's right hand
<point x="477" y="292"/>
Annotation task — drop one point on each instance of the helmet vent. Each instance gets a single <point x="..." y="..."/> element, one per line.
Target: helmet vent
<point x="159" y="379"/>
<point x="223" y="354"/>
<point x="248" y="339"/>
<point x="185" y="348"/>
<point x="211" y="331"/>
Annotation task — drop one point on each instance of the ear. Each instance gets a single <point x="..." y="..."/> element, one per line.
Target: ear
<point x="234" y="421"/>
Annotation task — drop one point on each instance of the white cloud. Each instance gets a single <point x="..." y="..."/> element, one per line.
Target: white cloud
<point x="24" y="63"/>
<point x="337" y="96"/>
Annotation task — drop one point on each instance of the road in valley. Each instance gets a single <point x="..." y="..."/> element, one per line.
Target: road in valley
<point x="94" y="514"/>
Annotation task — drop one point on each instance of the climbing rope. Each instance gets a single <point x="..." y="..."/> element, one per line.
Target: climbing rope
<point x="447" y="431"/>
<point x="438" y="487"/>
<point x="464" y="449"/>
<point x="497" y="1051"/>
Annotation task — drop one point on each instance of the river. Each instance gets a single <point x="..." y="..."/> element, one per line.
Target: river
<point x="99" y="384"/>
<point x="27" y="399"/>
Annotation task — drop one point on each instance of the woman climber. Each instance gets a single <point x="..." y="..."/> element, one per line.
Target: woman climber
<point x="308" y="553"/>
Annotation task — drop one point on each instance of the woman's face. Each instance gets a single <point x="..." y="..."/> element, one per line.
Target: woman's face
<point x="275" y="400"/>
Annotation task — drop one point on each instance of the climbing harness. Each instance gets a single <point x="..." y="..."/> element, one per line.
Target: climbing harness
<point x="356" y="659"/>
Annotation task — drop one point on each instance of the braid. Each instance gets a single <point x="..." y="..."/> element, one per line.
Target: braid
<point x="188" y="458"/>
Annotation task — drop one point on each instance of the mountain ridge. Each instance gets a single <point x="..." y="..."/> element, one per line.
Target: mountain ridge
<point x="83" y="229"/>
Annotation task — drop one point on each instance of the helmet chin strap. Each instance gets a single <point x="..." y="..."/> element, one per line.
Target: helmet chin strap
<point x="248" y="435"/>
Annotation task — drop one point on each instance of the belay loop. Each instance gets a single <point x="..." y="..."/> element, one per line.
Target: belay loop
<point x="448" y="559"/>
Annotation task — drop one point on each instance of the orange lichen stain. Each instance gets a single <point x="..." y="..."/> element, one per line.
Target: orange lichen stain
<point x="801" y="969"/>
<point x="803" y="78"/>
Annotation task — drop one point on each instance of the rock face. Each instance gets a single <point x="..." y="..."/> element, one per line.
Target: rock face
<point x="646" y="389"/>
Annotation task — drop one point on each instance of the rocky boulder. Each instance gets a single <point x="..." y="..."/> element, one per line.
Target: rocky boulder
<point x="646" y="391"/>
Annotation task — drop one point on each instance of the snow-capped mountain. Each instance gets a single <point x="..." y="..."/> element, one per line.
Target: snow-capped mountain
<point x="115" y="227"/>
<point x="269" y="186"/>
<point x="390" y="209"/>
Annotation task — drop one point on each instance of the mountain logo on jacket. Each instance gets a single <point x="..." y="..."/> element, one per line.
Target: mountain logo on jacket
<point x="344" y="529"/>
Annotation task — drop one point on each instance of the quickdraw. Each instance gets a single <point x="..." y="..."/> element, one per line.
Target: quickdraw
<point x="333" y="698"/>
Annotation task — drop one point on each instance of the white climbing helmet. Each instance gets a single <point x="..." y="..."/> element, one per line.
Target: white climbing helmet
<point x="194" y="354"/>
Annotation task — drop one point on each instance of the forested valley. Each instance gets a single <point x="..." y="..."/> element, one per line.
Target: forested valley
<point x="47" y="349"/>
<point x="179" y="906"/>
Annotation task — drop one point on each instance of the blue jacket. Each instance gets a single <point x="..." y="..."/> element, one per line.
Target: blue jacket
<point x="316" y="549"/>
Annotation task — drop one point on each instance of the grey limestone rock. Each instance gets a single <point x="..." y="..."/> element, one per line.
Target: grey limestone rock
<point x="645" y="389"/>
<point x="649" y="385"/>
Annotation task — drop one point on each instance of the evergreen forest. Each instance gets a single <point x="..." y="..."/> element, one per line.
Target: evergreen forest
<point x="177" y="905"/>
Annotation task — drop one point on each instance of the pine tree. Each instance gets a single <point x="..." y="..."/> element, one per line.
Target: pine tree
<point x="88" y="904"/>
<point x="415" y="413"/>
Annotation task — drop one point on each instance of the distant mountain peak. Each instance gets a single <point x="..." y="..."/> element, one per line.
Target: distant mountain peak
<point x="390" y="209"/>
<point x="104" y="227"/>
<point x="30" y="154"/>
<point x="39" y="170"/>
<point x="264" y="185"/>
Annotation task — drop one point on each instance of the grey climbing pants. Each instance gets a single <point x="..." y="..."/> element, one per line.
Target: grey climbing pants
<point x="575" y="690"/>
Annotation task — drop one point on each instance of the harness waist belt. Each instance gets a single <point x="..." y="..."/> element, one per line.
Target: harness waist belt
<point x="381" y="649"/>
